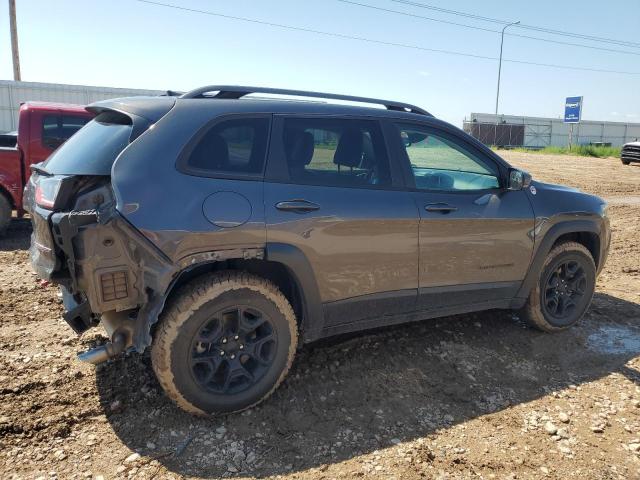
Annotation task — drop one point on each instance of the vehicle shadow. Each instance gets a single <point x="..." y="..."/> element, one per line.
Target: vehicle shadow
<point x="355" y="394"/>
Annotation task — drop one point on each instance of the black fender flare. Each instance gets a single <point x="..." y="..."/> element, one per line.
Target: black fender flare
<point x="298" y="266"/>
<point x="291" y="257"/>
<point x="543" y="249"/>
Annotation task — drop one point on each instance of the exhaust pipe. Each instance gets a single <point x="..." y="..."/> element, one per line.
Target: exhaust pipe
<point x="105" y="352"/>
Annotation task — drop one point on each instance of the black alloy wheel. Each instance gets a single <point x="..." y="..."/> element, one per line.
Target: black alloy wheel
<point x="564" y="290"/>
<point x="233" y="350"/>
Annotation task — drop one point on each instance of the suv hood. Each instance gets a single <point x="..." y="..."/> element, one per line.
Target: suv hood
<point x="552" y="200"/>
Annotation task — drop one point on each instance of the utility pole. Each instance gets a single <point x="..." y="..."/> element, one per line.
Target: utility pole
<point x="14" y="40"/>
<point x="500" y="64"/>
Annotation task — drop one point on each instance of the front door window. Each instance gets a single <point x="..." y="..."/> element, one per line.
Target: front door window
<point x="440" y="164"/>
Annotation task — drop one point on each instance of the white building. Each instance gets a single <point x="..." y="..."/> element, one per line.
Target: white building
<point x="537" y="132"/>
<point x="12" y="94"/>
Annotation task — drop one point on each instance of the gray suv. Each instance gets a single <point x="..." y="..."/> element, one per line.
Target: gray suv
<point x="223" y="232"/>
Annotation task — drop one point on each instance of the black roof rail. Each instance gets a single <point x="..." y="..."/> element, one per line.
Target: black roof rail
<point x="235" y="92"/>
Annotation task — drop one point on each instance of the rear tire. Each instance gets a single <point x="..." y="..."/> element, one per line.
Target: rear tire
<point x="5" y="213"/>
<point x="564" y="290"/>
<point x="224" y="343"/>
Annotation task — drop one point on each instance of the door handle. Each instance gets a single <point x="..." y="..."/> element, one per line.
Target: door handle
<point x="297" y="206"/>
<point x="440" y="207"/>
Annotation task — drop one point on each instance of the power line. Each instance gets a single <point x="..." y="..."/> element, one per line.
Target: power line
<point x="623" y="43"/>
<point x="453" y="12"/>
<point x="475" y="27"/>
<point x="370" y="40"/>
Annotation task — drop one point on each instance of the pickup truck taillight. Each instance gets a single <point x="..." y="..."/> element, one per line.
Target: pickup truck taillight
<point x="46" y="191"/>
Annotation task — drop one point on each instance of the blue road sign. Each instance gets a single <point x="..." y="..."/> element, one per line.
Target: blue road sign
<point x="572" y="109"/>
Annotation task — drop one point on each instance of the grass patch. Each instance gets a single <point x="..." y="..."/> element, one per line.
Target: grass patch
<point x="579" y="150"/>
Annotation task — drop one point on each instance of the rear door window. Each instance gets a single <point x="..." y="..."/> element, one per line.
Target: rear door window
<point x="229" y="147"/>
<point x="93" y="149"/>
<point x="336" y="152"/>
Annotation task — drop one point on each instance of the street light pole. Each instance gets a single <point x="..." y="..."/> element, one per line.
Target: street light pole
<point x="500" y="64"/>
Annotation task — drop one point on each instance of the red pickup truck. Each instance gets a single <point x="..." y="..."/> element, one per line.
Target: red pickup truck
<point x="42" y="127"/>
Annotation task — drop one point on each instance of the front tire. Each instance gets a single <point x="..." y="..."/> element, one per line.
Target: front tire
<point x="224" y="343"/>
<point x="564" y="290"/>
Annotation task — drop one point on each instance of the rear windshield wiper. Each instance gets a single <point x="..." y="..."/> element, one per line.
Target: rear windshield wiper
<point x="40" y="170"/>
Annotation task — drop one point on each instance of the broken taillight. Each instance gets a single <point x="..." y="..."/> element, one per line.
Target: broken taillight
<point x="46" y="191"/>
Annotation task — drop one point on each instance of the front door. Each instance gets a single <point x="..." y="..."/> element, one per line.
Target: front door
<point x="332" y="193"/>
<point x="476" y="237"/>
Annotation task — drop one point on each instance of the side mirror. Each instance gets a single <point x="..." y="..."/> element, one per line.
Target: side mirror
<point x="518" y="179"/>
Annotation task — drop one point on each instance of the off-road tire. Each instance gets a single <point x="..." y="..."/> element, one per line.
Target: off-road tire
<point x="5" y="213"/>
<point x="183" y="318"/>
<point x="534" y="313"/>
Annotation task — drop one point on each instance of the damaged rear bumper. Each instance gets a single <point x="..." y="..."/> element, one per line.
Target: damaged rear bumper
<point x="77" y="313"/>
<point x="108" y="273"/>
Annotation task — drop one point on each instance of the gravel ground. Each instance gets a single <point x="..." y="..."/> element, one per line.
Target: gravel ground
<point x="473" y="396"/>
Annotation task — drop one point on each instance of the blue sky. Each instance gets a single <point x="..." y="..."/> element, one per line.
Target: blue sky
<point x="125" y="43"/>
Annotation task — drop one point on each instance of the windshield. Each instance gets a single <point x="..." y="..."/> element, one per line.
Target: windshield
<point x="93" y="149"/>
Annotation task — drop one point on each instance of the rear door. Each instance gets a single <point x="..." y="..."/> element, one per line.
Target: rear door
<point x="332" y="193"/>
<point x="476" y="237"/>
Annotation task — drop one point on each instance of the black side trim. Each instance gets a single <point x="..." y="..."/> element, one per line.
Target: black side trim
<point x="543" y="250"/>
<point x="434" y="298"/>
<point x="388" y="320"/>
<point x="363" y="307"/>
<point x="300" y="270"/>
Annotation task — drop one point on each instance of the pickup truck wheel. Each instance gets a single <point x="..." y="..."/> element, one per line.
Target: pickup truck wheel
<point x="5" y="213"/>
<point x="564" y="290"/>
<point x="224" y="343"/>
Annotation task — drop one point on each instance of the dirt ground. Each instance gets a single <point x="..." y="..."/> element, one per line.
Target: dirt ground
<point x="473" y="396"/>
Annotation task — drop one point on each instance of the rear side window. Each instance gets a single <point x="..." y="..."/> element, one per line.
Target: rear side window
<point x="94" y="148"/>
<point x="336" y="152"/>
<point x="235" y="146"/>
<point x="57" y="129"/>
